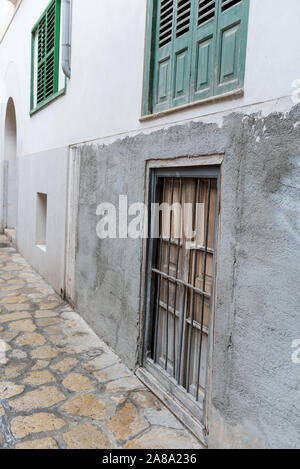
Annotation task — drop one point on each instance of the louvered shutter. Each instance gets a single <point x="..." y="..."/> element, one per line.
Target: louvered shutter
<point x="198" y="51"/>
<point x="202" y="79"/>
<point x="182" y="53"/>
<point x="163" y="54"/>
<point x="48" y="52"/>
<point x="231" y="45"/>
<point x="173" y="52"/>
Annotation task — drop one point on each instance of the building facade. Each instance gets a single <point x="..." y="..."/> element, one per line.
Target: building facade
<point x="143" y="102"/>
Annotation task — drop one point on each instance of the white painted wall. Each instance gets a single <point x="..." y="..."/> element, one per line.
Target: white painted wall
<point x="105" y="91"/>
<point x="44" y="173"/>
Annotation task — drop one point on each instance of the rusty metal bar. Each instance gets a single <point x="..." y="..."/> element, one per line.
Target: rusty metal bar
<point x="204" y="285"/>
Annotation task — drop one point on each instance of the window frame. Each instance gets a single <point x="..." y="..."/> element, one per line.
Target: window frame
<point x="218" y="94"/>
<point x="35" y="108"/>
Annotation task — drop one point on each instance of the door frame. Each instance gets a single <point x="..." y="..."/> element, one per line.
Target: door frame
<point x="192" y="414"/>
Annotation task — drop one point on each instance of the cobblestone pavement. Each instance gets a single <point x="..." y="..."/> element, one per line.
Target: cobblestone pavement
<point x="60" y="385"/>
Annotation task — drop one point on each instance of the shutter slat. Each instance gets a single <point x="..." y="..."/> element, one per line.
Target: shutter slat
<point x="207" y="11"/>
<point x="166" y="22"/>
<point x="183" y="17"/>
<point x="226" y="4"/>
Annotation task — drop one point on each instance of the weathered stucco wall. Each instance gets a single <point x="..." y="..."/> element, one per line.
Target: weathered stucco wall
<point x="255" y="385"/>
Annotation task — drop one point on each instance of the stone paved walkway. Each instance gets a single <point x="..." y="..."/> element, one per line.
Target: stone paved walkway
<point x="60" y="386"/>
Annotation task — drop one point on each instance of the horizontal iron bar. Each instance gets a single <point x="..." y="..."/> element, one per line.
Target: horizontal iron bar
<point x="181" y="282"/>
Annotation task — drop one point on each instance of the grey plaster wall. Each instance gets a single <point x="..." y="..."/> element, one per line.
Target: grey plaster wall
<point x="255" y="400"/>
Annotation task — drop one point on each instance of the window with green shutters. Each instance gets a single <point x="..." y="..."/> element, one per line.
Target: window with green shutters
<point x="45" y="56"/>
<point x="196" y="50"/>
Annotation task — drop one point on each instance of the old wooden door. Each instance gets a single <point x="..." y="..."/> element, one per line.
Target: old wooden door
<point x="181" y="267"/>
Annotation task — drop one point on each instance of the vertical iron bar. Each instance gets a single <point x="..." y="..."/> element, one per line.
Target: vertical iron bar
<point x="176" y="285"/>
<point x="158" y="286"/>
<point x="168" y="281"/>
<point x="182" y="321"/>
<point x="190" y="342"/>
<point x="204" y="285"/>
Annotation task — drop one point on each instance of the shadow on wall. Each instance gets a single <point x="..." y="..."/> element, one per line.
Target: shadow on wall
<point x="10" y="168"/>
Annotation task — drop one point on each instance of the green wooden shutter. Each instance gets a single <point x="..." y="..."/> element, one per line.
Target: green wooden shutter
<point x="163" y="55"/>
<point x="172" y="54"/>
<point x="48" y="31"/>
<point x="182" y="48"/>
<point x="198" y="50"/>
<point x="231" y="45"/>
<point x="204" y="42"/>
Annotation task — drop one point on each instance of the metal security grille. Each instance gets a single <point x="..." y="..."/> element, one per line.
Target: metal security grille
<point x="182" y="273"/>
<point x="46" y="40"/>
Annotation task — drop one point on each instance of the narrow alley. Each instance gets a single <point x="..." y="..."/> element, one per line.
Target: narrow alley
<point x="61" y="386"/>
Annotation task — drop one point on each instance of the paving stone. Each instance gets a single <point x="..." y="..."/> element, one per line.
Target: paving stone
<point x="163" y="438"/>
<point x="18" y="354"/>
<point x="40" y="364"/>
<point x="78" y="382"/>
<point x="99" y="363"/>
<point x="58" y="340"/>
<point x="44" y="443"/>
<point x="40" y="398"/>
<point x="13" y="300"/>
<point x="31" y="338"/>
<point x="44" y="322"/>
<point x="111" y="373"/>
<point x="11" y="288"/>
<point x="14" y="281"/>
<point x="13" y="371"/>
<point x="86" y="405"/>
<point x="124" y="384"/>
<point x="161" y="417"/>
<point x="24" y="326"/>
<point x="52" y="330"/>
<point x="42" y="422"/>
<point x="46" y="314"/>
<point x="71" y="350"/>
<point x="145" y="400"/>
<point x="8" y="336"/>
<point x="118" y="399"/>
<point x="7" y="276"/>
<point x="64" y="366"/>
<point x="18" y="307"/>
<point x="37" y="378"/>
<point x="14" y="316"/>
<point x="87" y="436"/>
<point x="4" y="348"/>
<point x="127" y="423"/>
<point x="12" y="267"/>
<point x="44" y="352"/>
<point x="49" y="304"/>
<point x="8" y="389"/>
